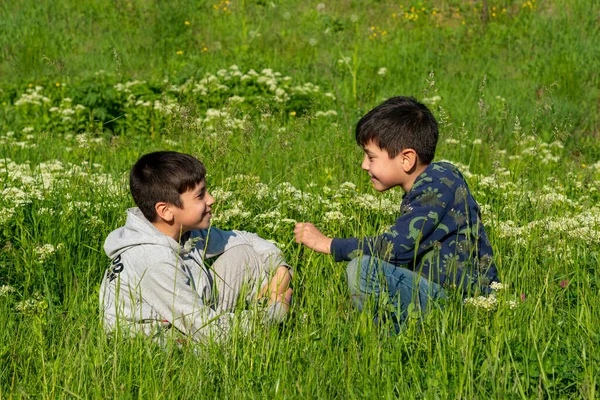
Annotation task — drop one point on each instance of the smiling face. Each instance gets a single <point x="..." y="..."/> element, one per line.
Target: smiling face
<point x="385" y="172"/>
<point x="195" y="212"/>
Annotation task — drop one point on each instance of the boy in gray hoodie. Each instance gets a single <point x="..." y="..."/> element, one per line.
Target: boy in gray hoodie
<point x="158" y="279"/>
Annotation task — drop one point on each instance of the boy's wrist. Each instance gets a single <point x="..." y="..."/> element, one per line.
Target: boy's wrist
<point x="327" y="245"/>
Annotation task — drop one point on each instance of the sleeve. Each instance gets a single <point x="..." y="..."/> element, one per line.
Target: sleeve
<point x="220" y="241"/>
<point x="403" y="242"/>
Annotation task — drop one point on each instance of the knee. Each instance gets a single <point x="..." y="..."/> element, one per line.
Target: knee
<point x="356" y="272"/>
<point x="239" y="257"/>
<point x="240" y="251"/>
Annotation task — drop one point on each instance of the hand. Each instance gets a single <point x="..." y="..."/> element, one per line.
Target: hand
<point x="307" y="234"/>
<point x="286" y="298"/>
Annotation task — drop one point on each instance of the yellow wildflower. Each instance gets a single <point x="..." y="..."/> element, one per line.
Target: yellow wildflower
<point x="179" y="52"/>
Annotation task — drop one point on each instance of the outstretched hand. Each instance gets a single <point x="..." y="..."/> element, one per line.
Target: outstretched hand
<point x="307" y="234"/>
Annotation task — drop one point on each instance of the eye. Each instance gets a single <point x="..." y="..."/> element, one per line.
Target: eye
<point x="201" y="194"/>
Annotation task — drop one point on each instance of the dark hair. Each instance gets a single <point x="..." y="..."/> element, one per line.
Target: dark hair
<point x="400" y="123"/>
<point x="163" y="176"/>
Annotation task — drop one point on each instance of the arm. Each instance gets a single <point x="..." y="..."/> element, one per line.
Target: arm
<point x="307" y="234"/>
<point x="411" y="235"/>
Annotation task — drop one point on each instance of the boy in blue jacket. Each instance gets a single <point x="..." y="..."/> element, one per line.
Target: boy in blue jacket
<point x="438" y="240"/>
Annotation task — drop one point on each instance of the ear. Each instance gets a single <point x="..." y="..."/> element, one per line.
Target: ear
<point x="409" y="160"/>
<point x="163" y="210"/>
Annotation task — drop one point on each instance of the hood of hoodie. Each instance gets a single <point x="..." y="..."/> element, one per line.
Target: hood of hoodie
<point x="137" y="231"/>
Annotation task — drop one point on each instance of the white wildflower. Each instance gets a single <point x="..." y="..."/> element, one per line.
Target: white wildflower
<point x="6" y="289"/>
<point x="489" y="303"/>
<point x="33" y="306"/>
<point x="334" y="216"/>
<point x="236" y="99"/>
<point x="497" y="286"/>
<point x="432" y="100"/>
<point x="45" y="252"/>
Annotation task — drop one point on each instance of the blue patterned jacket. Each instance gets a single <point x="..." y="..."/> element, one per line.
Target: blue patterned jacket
<point x="439" y="234"/>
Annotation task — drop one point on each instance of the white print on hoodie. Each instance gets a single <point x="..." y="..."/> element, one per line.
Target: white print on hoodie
<point x="155" y="283"/>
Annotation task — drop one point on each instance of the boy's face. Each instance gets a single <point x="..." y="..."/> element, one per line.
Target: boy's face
<point x="195" y="212"/>
<point x="385" y="172"/>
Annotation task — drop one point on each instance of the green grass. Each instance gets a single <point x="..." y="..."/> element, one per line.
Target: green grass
<point x="518" y="110"/>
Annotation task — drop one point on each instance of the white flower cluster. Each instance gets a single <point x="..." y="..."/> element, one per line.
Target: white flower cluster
<point x="221" y="195"/>
<point x="6" y="289"/>
<point x="25" y="184"/>
<point x="328" y="113"/>
<point x="544" y="152"/>
<point x="432" y="100"/>
<point x="44" y="252"/>
<point x="488" y="303"/>
<point x="221" y="119"/>
<point x="272" y="85"/>
<point x="126" y="87"/>
<point x="583" y="226"/>
<point x="66" y="111"/>
<point x="334" y="216"/>
<point x="497" y="286"/>
<point x="32" y="96"/>
<point x="168" y="106"/>
<point x="388" y="205"/>
<point x="33" y="306"/>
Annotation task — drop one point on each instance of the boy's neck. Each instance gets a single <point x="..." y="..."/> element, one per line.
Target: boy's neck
<point x="412" y="177"/>
<point x="170" y="230"/>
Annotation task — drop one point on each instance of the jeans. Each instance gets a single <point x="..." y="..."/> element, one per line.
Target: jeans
<point x="391" y="289"/>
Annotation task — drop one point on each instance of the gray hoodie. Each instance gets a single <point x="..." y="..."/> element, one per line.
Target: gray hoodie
<point x="155" y="283"/>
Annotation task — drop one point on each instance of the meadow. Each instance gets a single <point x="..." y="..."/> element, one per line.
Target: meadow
<point x="267" y="94"/>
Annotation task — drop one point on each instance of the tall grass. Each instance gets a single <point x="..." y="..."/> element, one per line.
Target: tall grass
<point x="518" y="111"/>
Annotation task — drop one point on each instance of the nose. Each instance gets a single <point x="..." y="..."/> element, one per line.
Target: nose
<point x="209" y="199"/>
<point x="365" y="163"/>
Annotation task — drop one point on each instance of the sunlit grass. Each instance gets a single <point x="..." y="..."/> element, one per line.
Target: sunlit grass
<point x="515" y="94"/>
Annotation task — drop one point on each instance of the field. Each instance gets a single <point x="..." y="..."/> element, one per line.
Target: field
<point x="267" y="95"/>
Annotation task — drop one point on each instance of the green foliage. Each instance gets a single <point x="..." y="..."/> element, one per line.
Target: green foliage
<point x="267" y="94"/>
